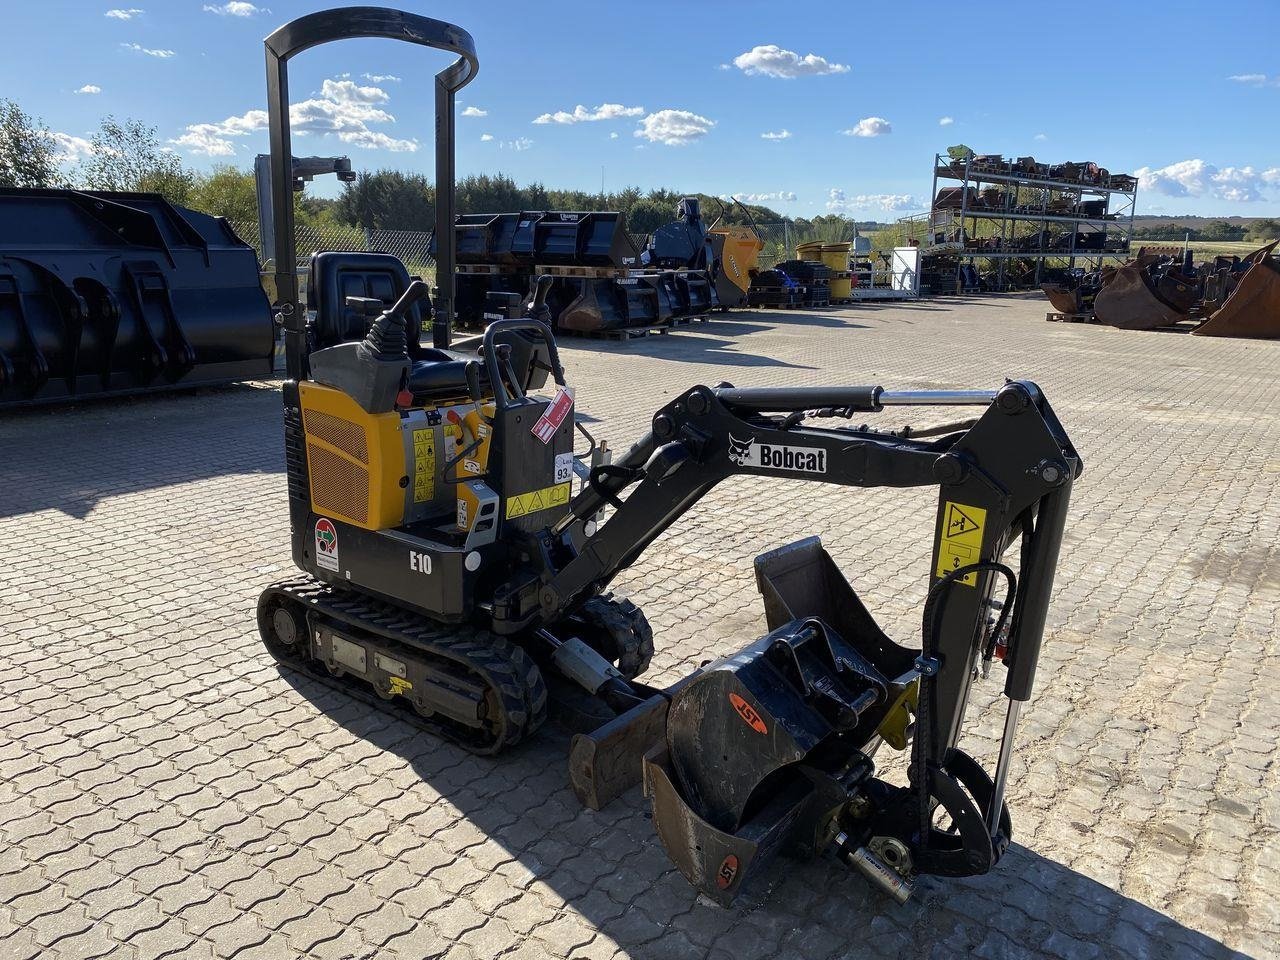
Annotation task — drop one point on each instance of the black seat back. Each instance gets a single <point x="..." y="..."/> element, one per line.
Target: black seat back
<point x="336" y="275"/>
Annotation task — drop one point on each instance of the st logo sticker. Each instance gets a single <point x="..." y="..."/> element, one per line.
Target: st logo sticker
<point x="326" y="545"/>
<point x="748" y="714"/>
<point x="727" y="873"/>
<point x="960" y="539"/>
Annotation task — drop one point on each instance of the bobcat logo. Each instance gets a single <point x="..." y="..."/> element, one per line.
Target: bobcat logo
<point x="740" y="450"/>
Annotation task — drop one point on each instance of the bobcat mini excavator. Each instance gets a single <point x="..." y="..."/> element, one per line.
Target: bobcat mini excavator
<point x="457" y="555"/>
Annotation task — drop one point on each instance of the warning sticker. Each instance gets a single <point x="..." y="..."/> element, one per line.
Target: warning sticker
<point x="550" y="420"/>
<point x="399" y="684"/>
<point x="536" y="500"/>
<point x="960" y="540"/>
<point x="424" y="465"/>
<point x="326" y="545"/>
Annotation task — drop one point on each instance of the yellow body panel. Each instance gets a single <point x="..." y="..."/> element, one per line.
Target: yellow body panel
<point x="355" y="459"/>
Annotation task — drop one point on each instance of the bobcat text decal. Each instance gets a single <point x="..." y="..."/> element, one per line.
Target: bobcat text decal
<point x="751" y="453"/>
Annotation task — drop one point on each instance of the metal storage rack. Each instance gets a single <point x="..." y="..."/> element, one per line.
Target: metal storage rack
<point x="1079" y="211"/>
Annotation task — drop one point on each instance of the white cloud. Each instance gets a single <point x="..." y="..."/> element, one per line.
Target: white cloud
<point x="236" y="8"/>
<point x="519" y="144"/>
<point x="581" y="114"/>
<point x="613" y="135"/>
<point x="119" y="14"/>
<point x="90" y="88"/>
<point x="946" y="121"/>
<point x="68" y="149"/>
<point x="1196" y="178"/>
<point x="475" y="112"/>
<point x="344" y="109"/>
<point x="839" y="202"/>
<point x="139" y="48"/>
<point x="1041" y="136"/>
<point x="725" y="66"/>
<point x="1256" y="79"/>
<point x="869" y="127"/>
<point x="486" y="137"/>
<point x="783" y="134"/>
<point x="675" y="128"/>
<point x="382" y="77"/>
<point x="778" y="196"/>
<point x="771" y="60"/>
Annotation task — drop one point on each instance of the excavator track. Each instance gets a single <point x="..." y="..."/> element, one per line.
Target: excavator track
<point x="464" y="685"/>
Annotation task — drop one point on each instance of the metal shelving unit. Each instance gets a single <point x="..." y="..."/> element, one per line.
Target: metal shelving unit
<point x="1025" y="192"/>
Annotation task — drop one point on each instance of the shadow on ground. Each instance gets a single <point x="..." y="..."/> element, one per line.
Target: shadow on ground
<point x="153" y="443"/>
<point x="609" y="866"/>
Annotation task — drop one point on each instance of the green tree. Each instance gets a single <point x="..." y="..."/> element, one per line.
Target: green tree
<point x="647" y="215"/>
<point x="126" y="155"/>
<point x="226" y="192"/>
<point x="387" y="200"/>
<point x="27" y="154"/>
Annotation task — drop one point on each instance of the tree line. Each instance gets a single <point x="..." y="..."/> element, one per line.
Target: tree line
<point x="126" y="154"/>
<point x="1261" y="230"/>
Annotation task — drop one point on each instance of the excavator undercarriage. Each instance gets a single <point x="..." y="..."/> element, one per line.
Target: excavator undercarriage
<point x="457" y="549"/>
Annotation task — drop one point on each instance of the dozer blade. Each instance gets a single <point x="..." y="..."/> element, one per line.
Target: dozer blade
<point x="1253" y="309"/>
<point x="1127" y="301"/>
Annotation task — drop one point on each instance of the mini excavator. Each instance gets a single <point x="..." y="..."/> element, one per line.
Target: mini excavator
<point x="457" y="553"/>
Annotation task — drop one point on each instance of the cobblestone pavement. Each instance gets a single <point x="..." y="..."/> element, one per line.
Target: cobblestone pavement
<point x="164" y="790"/>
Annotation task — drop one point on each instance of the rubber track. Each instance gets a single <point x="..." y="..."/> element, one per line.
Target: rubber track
<point x="499" y="664"/>
<point x="627" y="626"/>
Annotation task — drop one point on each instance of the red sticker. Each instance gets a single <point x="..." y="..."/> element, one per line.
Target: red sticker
<point x="326" y="544"/>
<point x="727" y="873"/>
<point x="748" y="713"/>
<point x="550" y="421"/>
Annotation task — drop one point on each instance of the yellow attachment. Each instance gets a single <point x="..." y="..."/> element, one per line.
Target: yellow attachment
<point x="355" y="459"/>
<point x="893" y="728"/>
<point x="476" y="462"/>
<point x="740" y="255"/>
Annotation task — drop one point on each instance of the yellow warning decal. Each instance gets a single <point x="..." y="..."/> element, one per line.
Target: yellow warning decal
<point x="536" y="500"/>
<point x="960" y="539"/>
<point x="424" y="465"/>
<point x="399" y="684"/>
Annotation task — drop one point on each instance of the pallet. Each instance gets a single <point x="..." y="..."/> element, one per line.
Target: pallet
<point x="1071" y="317"/>
<point x="634" y="333"/>
<point x="485" y="269"/>
<point x="589" y="273"/>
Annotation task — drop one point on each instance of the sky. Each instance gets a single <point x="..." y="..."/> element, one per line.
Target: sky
<point x="833" y="106"/>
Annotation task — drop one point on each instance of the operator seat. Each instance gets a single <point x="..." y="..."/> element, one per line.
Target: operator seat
<point x="433" y="373"/>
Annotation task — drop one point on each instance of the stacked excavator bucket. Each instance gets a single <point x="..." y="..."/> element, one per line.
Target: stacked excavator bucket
<point x="112" y="293"/>
<point x="1252" y="309"/>
<point x="601" y="281"/>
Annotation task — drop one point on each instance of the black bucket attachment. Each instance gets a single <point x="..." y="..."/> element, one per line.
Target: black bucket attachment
<point x="763" y="749"/>
<point x="114" y="293"/>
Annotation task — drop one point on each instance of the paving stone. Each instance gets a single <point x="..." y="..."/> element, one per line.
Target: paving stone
<point x="176" y="762"/>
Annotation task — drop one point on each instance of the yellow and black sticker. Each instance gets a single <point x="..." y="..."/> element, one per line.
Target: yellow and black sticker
<point x="424" y="465"/>
<point x="960" y="539"/>
<point x="399" y="684"/>
<point x="536" y="500"/>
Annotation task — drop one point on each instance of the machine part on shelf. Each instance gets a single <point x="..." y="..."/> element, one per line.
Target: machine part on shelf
<point x="457" y="556"/>
<point x="1252" y="308"/>
<point x="114" y="293"/>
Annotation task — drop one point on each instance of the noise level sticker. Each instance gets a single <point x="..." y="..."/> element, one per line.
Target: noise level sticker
<point x="536" y="500"/>
<point x="960" y="540"/>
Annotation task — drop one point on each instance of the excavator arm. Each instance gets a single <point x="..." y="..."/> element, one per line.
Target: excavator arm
<point x="1004" y="479"/>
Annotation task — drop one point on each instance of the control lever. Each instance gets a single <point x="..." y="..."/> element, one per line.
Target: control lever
<point x="537" y="309"/>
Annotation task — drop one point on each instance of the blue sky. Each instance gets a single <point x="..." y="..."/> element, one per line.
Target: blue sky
<point x="682" y="94"/>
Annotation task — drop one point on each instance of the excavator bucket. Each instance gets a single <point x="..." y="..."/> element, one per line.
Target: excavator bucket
<point x="1064" y="299"/>
<point x="737" y="250"/>
<point x="783" y="711"/>
<point x="1127" y="300"/>
<point x="1253" y="308"/>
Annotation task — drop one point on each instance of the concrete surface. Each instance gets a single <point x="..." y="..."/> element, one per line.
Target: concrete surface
<point x="164" y="790"/>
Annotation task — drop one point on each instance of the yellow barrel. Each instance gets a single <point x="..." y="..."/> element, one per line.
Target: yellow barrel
<point x="841" y="286"/>
<point x="836" y="256"/>
<point x="809" y="251"/>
